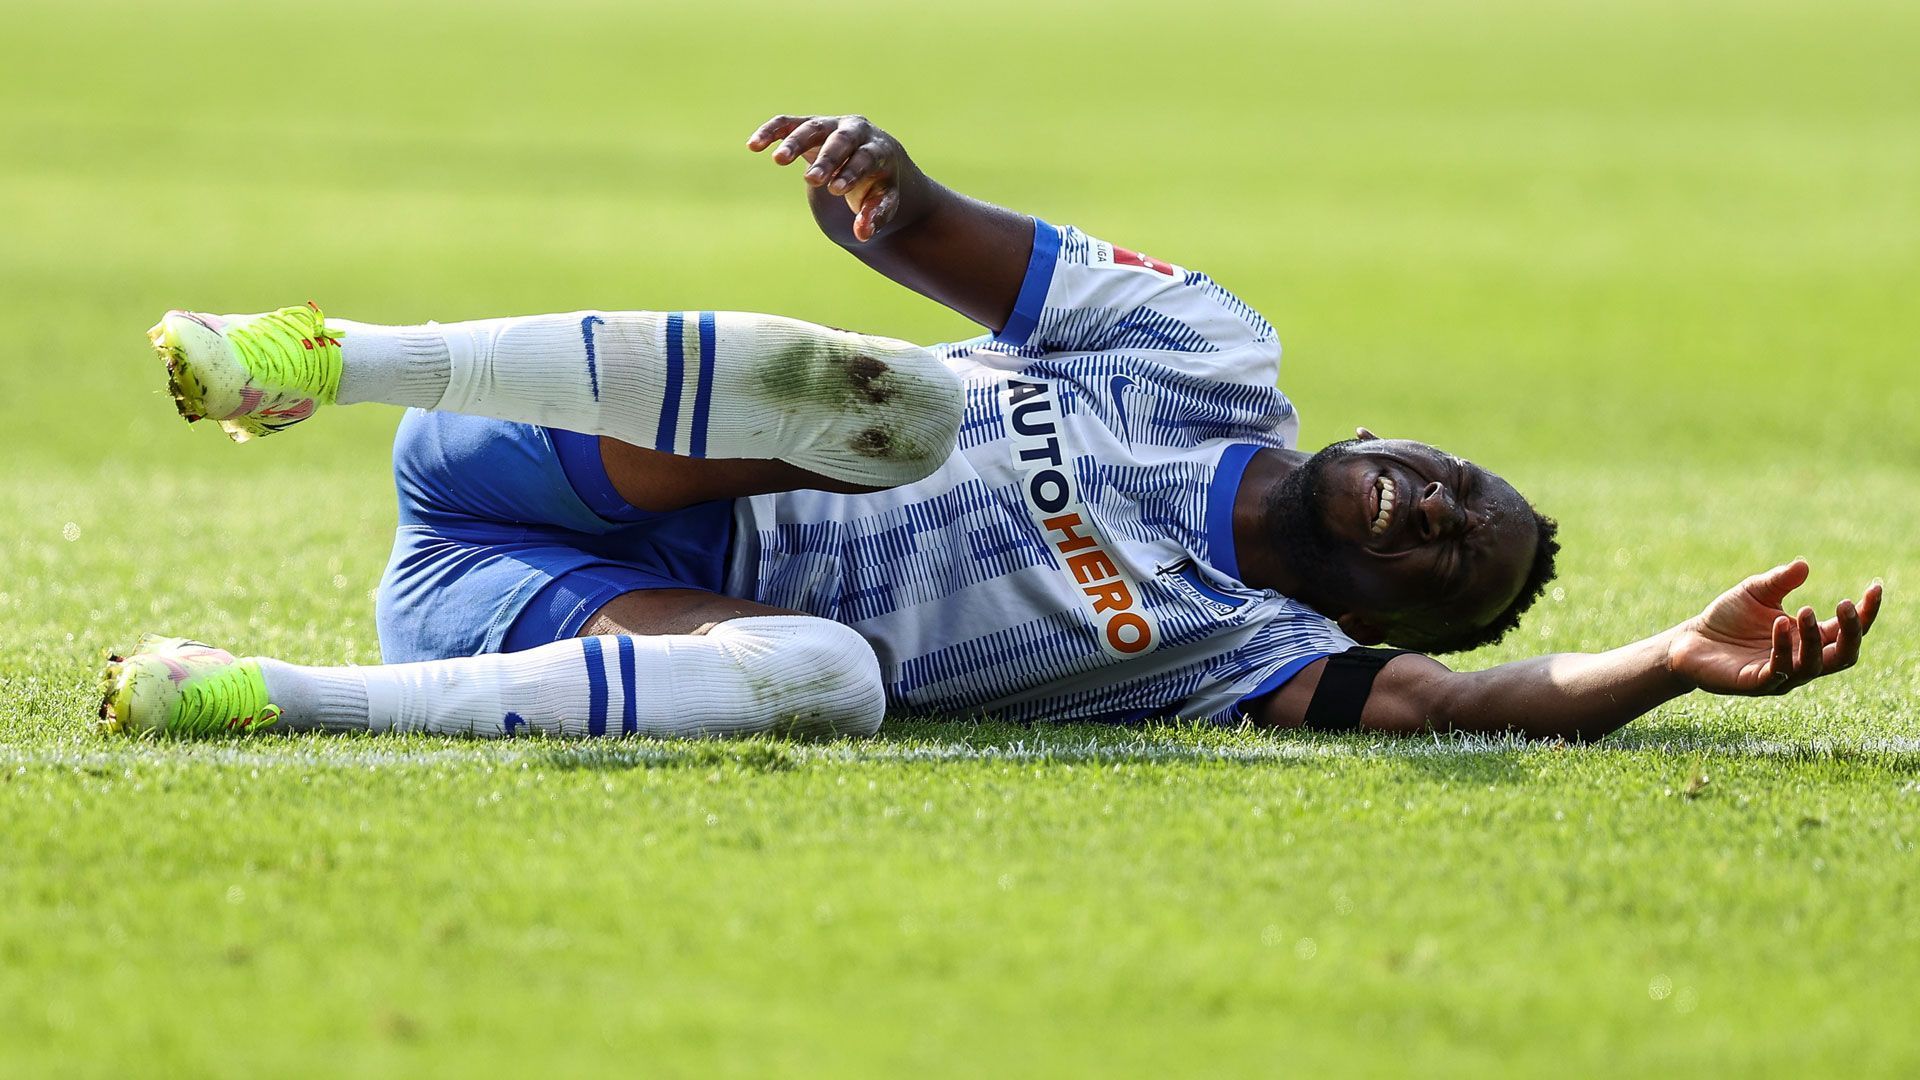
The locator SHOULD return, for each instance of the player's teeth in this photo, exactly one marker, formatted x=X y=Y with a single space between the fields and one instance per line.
x=1385 y=514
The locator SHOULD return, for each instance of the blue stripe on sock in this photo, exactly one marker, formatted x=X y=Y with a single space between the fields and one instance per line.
x=593 y=371
x=676 y=365
x=703 y=392
x=629 y=715
x=596 y=686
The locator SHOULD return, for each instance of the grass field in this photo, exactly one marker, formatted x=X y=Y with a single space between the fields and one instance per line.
x=1655 y=262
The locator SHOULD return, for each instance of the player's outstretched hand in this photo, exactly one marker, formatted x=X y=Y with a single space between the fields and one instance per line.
x=1745 y=642
x=846 y=155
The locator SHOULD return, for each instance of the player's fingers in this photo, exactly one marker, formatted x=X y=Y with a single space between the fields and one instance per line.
x=1864 y=613
x=1780 y=663
x=1870 y=607
x=876 y=212
x=805 y=137
x=777 y=128
x=1773 y=586
x=864 y=226
x=861 y=163
x=1845 y=649
x=840 y=145
x=862 y=192
x=1806 y=646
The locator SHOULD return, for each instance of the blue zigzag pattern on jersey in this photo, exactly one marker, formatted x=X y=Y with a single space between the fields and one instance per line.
x=1177 y=503
x=1071 y=329
x=1240 y=309
x=983 y=420
x=1286 y=636
x=1145 y=328
x=870 y=566
x=1095 y=326
x=1004 y=662
x=1134 y=701
x=1075 y=246
x=987 y=345
x=1295 y=632
x=1182 y=411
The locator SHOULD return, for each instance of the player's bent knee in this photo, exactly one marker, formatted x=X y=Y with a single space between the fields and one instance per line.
x=898 y=422
x=925 y=425
x=805 y=675
x=867 y=410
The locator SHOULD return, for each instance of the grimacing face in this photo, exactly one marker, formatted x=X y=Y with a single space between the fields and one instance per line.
x=1422 y=545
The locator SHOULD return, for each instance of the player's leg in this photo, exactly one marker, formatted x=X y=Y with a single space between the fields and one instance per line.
x=652 y=480
x=512 y=604
x=756 y=669
x=849 y=408
x=664 y=612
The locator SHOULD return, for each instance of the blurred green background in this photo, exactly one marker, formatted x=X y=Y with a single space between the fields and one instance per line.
x=1656 y=262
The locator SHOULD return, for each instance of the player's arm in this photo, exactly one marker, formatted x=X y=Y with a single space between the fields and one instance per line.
x=1744 y=643
x=870 y=198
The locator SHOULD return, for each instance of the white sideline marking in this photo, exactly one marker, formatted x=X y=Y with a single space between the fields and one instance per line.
x=587 y=754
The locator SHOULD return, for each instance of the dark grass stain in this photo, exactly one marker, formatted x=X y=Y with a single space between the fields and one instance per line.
x=874 y=442
x=866 y=375
x=823 y=373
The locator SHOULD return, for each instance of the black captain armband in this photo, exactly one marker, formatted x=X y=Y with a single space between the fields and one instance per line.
x=1344 y=685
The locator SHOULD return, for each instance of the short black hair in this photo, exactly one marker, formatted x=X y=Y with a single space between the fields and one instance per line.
x=1538 y=575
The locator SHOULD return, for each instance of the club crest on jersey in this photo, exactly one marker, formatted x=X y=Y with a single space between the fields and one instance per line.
x=1184 y=578
x=1122 y=624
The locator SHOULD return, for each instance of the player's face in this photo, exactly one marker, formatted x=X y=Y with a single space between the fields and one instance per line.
x=1424 y=542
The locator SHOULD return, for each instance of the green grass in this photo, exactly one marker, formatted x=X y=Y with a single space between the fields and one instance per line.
x=1654 y=262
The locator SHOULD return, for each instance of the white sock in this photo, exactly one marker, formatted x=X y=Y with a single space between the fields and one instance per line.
x=317 y=699
x=395 y=365
x=791 y=673
x=866 y=410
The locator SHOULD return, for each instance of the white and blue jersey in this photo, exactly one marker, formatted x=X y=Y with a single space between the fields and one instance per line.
x=1073 y=559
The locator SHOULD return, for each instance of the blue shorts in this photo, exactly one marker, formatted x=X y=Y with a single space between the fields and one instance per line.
x=512 y=536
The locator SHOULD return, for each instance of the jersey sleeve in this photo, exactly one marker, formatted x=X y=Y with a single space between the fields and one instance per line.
x=1083 y=295
x=1295 y=637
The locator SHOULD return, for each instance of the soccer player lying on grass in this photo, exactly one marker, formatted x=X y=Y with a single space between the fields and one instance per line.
x=716 y=523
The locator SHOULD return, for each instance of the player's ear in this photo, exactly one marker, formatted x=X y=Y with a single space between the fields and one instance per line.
x=1364 y=435
x=1359 y=629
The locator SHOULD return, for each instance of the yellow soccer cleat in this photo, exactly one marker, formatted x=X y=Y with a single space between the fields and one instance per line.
x=173 y=686
x=255 y=374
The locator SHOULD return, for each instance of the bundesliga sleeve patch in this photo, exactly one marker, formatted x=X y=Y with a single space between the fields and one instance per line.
x=1112 y=601
x=1100 y=253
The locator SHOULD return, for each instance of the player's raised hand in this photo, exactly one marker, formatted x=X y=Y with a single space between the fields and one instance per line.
x=847 y=156
x=1745 y=642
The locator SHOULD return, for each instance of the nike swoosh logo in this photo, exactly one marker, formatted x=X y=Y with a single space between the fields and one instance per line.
x=1116 y=388
x=593 y=371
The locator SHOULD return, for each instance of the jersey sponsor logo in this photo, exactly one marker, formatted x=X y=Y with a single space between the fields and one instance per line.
x=1122 y=624
x=1100 y=253
x=1184 y=577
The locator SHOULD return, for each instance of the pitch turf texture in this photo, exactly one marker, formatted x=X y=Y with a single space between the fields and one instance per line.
x=1656 y=263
